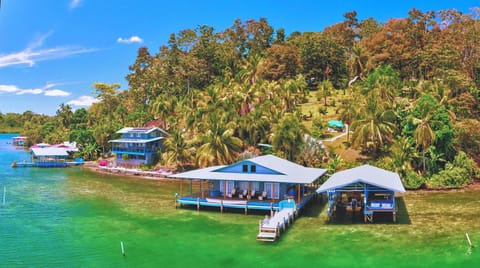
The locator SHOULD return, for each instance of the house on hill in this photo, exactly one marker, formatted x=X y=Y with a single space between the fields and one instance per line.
x=137 y=145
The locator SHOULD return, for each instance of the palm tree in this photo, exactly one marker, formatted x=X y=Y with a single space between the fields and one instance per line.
x=374 y=125
x=424 y=135
x=325 y=89
x=176 y=150
x=218 y=145
x=90 y=151
x=289 y=136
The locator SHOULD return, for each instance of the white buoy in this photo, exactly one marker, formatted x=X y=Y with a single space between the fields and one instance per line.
x=123 y=249
x=468 y=239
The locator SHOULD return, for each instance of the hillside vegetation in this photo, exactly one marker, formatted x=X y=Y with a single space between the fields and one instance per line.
x=408 y=88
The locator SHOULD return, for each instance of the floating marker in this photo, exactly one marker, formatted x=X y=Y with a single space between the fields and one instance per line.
x=468 y=239
x=123 y=249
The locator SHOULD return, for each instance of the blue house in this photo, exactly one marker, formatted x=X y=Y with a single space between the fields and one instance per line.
x=259 y=183
x=137 y=145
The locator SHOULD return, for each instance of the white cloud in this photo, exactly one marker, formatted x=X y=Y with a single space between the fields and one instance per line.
x=29 y=57
x=83 y=101
x=130 y=40
x=56 y=93
x=9 y=88
x=34 y=91
x=75 y=3
x=32 y=53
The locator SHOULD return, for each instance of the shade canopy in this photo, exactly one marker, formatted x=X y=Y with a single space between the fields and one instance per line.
x=364 y=174
x=335 y=123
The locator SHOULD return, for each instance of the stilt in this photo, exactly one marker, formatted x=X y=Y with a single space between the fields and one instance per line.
x=198 y=203
x=221 y=206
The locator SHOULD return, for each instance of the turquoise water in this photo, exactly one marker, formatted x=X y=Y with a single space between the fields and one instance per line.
x=76 y=218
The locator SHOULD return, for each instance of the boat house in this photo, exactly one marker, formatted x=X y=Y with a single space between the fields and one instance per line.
x=137 y=145
x=49 y=157
x=259 y=183
x=19 y=141
x=362 y=190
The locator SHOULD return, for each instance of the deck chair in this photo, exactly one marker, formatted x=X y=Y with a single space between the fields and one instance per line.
x=232 y=193
x=243 y=194
x=262 y=196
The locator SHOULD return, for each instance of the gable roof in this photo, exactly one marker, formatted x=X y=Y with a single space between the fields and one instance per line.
x=144 y=130
x=49 y=151
x=289 y=172
x=364 y=174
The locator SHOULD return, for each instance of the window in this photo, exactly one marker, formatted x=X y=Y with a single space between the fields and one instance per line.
x=253 y=168
x=245 y=168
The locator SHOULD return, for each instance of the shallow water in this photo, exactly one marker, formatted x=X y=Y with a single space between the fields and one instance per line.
x=76 y=218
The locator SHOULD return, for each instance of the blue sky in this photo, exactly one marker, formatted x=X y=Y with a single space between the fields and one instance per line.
x=52 y=51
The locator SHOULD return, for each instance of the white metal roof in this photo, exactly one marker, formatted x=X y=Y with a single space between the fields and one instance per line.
x=364 y=174
x=290 y=172
x=49 y=151
x=136 y=140
x=145 y=130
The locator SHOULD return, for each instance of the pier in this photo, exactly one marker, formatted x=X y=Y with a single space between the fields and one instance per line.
x=269 y=230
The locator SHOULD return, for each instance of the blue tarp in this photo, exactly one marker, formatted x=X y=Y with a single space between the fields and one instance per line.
x=335 y=123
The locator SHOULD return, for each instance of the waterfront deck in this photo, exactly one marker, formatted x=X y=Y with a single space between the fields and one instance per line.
x=237 y=203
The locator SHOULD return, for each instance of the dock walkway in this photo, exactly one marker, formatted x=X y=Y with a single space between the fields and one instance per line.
x=271 y=230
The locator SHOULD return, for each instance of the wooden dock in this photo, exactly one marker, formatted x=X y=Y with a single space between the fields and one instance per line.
x=271 y=230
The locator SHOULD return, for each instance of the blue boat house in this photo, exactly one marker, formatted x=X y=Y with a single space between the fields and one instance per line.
x=137 y=146
x=259 y=183
x=365 y=190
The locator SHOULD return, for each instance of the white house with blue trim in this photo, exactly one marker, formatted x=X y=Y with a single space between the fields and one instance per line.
x=257 y=183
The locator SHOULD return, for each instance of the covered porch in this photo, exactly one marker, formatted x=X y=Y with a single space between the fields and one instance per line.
x=246 y=195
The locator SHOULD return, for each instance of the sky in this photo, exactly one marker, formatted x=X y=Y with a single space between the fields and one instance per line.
x=52 y=51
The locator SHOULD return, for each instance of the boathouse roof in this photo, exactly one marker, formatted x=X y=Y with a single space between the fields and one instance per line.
x=49 y=151
x=269 y=168
x=364 y=174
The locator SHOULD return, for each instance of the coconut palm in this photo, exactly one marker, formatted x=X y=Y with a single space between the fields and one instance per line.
x=176 y=150
x=374 y=125
x=218 y=145
x=289 y=136
x=424 y=135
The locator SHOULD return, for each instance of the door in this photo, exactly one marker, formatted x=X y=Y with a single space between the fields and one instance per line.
x=272 y=189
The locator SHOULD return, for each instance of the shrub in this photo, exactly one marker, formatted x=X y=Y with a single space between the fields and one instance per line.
x=450 y=177
x=413 y=180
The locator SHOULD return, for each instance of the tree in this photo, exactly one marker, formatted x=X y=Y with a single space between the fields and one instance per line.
x=288 y=136
x=325 y=90
x=281 y=62
x=176 y=150
x=373 y=126
x=217 y=145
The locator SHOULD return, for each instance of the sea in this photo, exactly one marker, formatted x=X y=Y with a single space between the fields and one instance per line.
x=74 y=217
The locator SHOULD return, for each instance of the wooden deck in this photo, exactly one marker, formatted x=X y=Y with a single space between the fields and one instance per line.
x=237 y=203
x=271 y=230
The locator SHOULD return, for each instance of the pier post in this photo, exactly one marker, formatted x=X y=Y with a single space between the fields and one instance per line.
x=198 y=203
x=122 y=248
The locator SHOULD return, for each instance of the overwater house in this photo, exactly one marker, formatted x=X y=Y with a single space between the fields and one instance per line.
x=365 y=190
x=19 y=141
x=49 y=157
x=259 y=183
x=137 y=146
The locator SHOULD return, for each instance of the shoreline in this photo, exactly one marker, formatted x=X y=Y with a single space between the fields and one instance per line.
x=126 y=172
